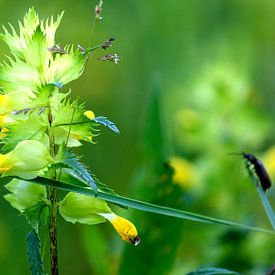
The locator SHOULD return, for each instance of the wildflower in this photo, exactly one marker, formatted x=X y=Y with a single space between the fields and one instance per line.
x=123 y=227
x=32 y=66
x=89 y=114
x=89 y=210
x=29 y=159
x=110 y=57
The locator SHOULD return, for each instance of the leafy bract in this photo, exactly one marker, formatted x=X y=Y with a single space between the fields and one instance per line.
x=24 y=194
x=83 y=209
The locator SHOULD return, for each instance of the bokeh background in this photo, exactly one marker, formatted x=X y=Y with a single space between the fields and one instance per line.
x=195 y=82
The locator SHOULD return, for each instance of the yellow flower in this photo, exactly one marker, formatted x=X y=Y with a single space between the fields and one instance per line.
x=90 y=210
x=89 y=114
x=184 y=172
x=269 y=161
x=3 y=132
x=123 y=227
x=28 y=160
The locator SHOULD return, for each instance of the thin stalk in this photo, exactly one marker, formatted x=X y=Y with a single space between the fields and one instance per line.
x=265 y=202
x=53 y=205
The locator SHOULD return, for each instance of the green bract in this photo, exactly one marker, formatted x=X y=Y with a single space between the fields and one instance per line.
x=83 y=209
x=34 y=65
x=24 y=194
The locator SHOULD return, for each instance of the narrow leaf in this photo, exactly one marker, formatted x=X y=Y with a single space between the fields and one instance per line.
x=147 y=207
x=265 y=202
x=212 y=271
x=34 y=255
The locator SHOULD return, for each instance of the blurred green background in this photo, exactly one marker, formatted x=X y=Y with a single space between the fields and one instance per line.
x=195 y=82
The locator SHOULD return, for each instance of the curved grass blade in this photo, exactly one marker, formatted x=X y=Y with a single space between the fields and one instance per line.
x=265 y=202
x=147 y=207
x=212 y=271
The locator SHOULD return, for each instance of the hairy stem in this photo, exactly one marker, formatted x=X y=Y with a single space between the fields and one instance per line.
x=53 y=207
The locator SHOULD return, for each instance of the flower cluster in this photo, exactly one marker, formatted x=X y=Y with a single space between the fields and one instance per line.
x=39 y=123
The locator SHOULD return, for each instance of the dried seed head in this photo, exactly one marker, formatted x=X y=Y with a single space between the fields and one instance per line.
x=98 y=10
x=81 y=49
x=110 y=57
x=57 y=49
x=108 y=43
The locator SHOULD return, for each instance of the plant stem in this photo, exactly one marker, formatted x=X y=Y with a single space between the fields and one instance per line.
x=53 y=207
x=53 y=232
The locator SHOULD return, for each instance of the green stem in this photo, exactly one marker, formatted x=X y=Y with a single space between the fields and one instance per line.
x=53 y=206
x=53 y=232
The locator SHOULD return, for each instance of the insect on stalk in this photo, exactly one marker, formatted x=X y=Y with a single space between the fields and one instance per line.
x=258 y=168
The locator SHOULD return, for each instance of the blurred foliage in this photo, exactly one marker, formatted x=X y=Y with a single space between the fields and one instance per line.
x=213 y=62
x=160 y=235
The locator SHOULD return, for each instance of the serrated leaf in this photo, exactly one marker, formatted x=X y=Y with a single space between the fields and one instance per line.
x=18 y=75
x=36 y=53
x=66 y=67
x=37 y=214
x=32 y=128
x=212 y=271
x=34 y=255
x=72 y=161
x=107 y=123
x=70 y=176
x=18 y=43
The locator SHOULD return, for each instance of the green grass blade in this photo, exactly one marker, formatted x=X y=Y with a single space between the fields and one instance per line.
x=147 y=207
x=213 y=271
x=265 y=202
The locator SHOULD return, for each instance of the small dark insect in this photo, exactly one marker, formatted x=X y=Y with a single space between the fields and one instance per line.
x=259 y=169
